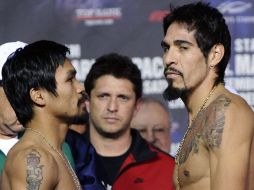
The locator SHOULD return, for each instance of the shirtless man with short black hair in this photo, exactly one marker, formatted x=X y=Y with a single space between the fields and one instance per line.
x=215 y=153
x=41 y=86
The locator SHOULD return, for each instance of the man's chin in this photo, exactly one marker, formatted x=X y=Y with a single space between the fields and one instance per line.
x=81 y=118
x=173 y=93
x=113 y=134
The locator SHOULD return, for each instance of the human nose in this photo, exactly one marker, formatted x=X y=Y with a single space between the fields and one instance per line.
x=80 y=87
x=150 y=137
x=112 y=105
x=169 y=57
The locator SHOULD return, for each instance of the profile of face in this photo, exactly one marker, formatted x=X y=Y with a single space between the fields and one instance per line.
x=153 y=123
x=9 y=124
x=111 y=106
x=70 y=101
x=185 y=65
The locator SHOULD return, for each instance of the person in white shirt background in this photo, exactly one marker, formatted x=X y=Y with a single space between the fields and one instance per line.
x=9 y=124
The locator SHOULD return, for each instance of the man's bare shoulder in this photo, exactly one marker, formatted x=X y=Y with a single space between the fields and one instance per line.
x=240 y=106
x=231 y=107
x=239 y=114
x=22 y=155
x=228 y=115
x=29 y=165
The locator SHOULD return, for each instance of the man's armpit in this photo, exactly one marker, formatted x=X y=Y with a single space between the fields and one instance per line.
x=34 y=168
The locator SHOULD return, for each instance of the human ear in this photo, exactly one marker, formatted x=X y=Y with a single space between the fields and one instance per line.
x=137 y=106
x=87 y=102
x=216 y=54
x=37 y=96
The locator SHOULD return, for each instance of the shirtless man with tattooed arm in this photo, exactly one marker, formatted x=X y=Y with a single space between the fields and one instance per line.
x=215 y=153
x=41 y=86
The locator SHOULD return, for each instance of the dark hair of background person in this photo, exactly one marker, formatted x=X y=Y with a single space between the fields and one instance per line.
x=210 y=29
x=118 y=66
x=33 y=66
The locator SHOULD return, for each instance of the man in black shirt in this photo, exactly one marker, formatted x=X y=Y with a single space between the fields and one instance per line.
x=113 y=156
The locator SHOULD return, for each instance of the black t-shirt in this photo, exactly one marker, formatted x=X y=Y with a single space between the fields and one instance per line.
x=108 y=167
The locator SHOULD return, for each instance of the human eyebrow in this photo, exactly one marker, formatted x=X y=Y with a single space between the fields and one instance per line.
x=71 y=74
x=124 y=96
x=164 y=45
x=182 y=42
x=103 y=94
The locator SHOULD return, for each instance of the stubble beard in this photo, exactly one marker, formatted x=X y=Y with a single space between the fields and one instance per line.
x=173 y=93
x=77 y=119
x=82 y=118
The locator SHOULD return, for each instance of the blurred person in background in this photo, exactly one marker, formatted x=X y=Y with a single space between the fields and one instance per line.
x=9 y=124
x=153 y=121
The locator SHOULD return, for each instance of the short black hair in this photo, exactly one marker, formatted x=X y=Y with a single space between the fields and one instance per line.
x=118 y=66
x=210 y=29
x=33 y=66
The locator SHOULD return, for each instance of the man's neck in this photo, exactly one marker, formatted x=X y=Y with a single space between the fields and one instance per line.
x=200 y=97
x=54 y=132
x=105 y=146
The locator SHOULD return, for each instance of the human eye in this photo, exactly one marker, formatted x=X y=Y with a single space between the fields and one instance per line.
x=183 y=48
x=164 y=46
x=142 y=131
x=70 y=79
x=123 y=97
x=184 y=45
x=102 y=96
x=165 y=49
x=159 y=130
x=71 y=76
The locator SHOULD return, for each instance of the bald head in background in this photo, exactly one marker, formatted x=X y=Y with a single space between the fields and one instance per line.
x=153 y=122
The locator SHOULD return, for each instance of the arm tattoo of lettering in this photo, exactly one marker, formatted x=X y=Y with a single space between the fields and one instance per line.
x=34 y=170
x=208 y=126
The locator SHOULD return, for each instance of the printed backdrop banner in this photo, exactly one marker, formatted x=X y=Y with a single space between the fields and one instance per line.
x=91 y=28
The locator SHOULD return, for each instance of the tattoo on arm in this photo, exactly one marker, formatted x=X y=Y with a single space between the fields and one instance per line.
x=34 y=170
x=214 y=124
x=208 y=126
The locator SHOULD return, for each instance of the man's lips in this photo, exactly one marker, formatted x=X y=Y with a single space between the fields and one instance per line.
x=110 y=119
x=172 y=72
x=81 y=102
